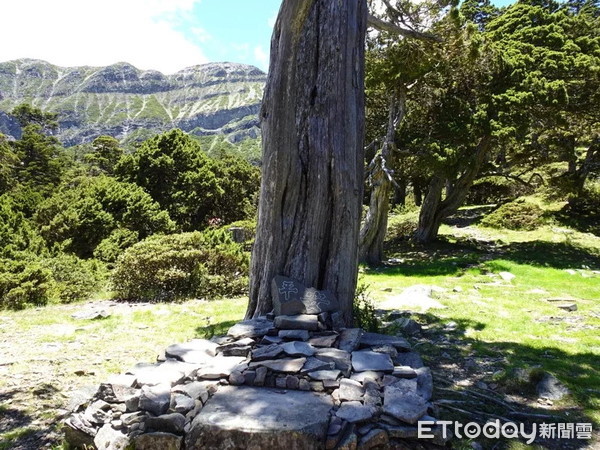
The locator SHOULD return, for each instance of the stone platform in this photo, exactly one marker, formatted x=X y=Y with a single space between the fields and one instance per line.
x=288 y=381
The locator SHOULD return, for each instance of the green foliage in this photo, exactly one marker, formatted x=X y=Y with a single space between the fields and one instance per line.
x=363 y=309
x=74 y=279
x=517 y=215
x=106 y=153
x=402 y=226
x=24 y=281
x=85 y=212
x=116 y=243
x=8 y=163
x=582 y=211
x=193 y=188
x=16 y=232
x=489 y=190
x=171 y=267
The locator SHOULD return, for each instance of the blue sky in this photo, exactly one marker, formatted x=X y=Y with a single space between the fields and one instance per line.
x=165 y=35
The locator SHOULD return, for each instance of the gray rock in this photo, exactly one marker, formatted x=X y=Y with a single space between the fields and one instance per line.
x=337 y=321
x=414 y=298
x=122 y=380
x=349 y=441
x=245 y=417
x=350 y=390
x=303 y=385
x=404 y=372
x=280 y=382
x=366 y=375
x=158 y=441
x=91 y=315
x=287 y=295
x=173 y=372
x=323 y=341
x=195 y=390
x=236 y=378
x=130 y=419
x=299 y=322
x=108 y=438
x=376 y=438
x=405 y=385
x=403 y=405
x=252 y=328
x=367 y=360
x=286 y=365
x=296 y=348
x=313 y=364
x=98 y=412
x=407 y=326
x=221 y=367
x=181 y=403
x=340 y=358
x=155 y=399
x=269 y=352
x=321 y=375
x=355 y=412
x=424 y=383
x=169 y=423
x=268 y=340
x=292 y=382
x=77 y=434
x=507 y=276
x=249 y=377
x=349 y=339
x=376 y=339
x=387 y=349
x=551 y=388
x=261 y=373
x=195 y=351
x=372 y=395
x=294 y=335
x=81 y=397
x=410 y=359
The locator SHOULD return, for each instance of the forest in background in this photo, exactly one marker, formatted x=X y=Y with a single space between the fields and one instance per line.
x=497 y=106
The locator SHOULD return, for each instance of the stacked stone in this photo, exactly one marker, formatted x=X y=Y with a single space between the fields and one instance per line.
x=369 y=389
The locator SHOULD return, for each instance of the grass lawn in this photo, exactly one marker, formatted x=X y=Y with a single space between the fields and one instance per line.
x=489 y=328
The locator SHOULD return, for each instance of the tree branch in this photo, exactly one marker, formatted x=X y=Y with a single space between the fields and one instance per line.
x=382 y=25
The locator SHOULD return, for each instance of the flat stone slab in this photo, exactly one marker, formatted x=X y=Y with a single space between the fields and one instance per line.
x=403 y=405
x=247 y=417
x=299 y=322
x=285 y=365
x=195 y=351
x=251 y=328
x=366 y=360
x=377 y=340
x=355 y=412
x=295 y=348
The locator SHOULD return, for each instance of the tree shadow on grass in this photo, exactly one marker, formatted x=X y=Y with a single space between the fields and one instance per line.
x=16 y=426
x=459 y=362
x=214 y=329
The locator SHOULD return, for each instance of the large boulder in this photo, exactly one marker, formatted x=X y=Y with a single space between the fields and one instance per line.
x=255 y=418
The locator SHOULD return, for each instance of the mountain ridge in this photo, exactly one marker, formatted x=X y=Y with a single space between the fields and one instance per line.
x=132 y=104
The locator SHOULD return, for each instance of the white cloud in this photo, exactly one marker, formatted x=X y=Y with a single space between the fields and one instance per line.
x=262 y=57
x=76 y=32
x=271 y=21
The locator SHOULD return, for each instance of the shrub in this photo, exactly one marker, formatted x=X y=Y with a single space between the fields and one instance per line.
x=24 y=282
x=402 y=226
x=517 y=215
x=363 y=309
x=74 y=279
x=582 y=212
x=171 y=267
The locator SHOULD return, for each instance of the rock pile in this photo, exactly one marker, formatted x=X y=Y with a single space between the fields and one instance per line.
x=288 y=380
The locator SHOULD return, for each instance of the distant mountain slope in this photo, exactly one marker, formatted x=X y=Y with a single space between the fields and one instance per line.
x=131 y=104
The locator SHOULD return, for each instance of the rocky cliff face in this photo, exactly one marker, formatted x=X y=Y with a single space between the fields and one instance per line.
x=131 y=104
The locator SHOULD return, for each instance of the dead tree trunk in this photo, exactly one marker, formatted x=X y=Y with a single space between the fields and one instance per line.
x=372 y=234
x=434 y=210
x=313 y=131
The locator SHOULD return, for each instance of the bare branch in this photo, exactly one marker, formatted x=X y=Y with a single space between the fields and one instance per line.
x=382 y=25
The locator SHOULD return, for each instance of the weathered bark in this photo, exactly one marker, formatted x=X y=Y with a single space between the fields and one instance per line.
x=372 y=234
x=313 y=131
x=434 y=210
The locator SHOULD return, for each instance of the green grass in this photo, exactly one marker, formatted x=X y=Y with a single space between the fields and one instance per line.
x=506 y=319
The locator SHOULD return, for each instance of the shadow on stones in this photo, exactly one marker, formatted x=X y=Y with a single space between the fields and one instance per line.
x=459 y=362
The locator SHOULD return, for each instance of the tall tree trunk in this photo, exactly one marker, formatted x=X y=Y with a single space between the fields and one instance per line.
x=372 y=234
x=434 y=210
x=399 y=193
x=313 y=158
